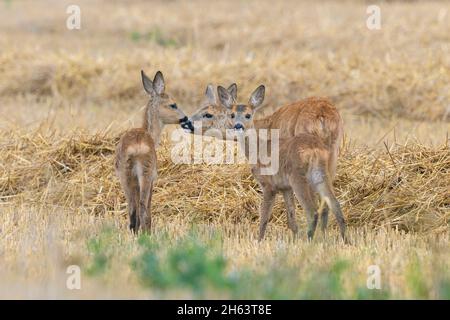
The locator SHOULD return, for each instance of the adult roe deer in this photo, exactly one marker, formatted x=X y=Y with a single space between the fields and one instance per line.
x=135 y=161
x=314 y=115
x=304 y=168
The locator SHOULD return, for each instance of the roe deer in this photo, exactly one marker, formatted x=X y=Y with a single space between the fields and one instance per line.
x=304 y=168
x=315 y=116
x=135 y=161
x=211 y=115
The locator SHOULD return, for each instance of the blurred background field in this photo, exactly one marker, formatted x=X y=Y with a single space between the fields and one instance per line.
x=65 y=95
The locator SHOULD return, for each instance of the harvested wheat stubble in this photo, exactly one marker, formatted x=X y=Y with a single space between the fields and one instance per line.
x=86 y=77
x=405 y=186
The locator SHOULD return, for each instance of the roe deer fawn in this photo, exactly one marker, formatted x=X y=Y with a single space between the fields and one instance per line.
x=315 y=116
x=304 y=168
x=135 y=161
x=211 y=115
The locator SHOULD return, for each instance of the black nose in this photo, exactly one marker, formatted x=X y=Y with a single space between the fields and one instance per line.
x=187 y=124
x=238 y=126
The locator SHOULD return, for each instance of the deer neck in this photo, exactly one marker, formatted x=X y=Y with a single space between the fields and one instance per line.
x=152 y=121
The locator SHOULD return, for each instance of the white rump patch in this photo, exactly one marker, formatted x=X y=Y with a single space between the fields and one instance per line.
x=139 y=148
x=317 y=177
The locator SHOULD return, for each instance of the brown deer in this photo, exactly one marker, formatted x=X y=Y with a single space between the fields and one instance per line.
x=135 y=161
x=315 y=116
x=304 y=168
x=211 y=115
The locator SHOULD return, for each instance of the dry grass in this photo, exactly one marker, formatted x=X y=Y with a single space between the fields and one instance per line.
x=38 y=243
x=404 y=186
x=66 y=95
x=374 y=73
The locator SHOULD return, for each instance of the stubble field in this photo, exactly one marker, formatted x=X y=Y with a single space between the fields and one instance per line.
x=66 y=95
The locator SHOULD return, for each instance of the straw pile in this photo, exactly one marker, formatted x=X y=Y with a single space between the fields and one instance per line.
x=405 y=187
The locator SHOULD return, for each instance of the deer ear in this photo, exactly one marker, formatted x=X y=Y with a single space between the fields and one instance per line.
x=209 y=94
x=257 y=97
x=148 y=84
x=224 y=97
x=158 y=83
x=232 y=89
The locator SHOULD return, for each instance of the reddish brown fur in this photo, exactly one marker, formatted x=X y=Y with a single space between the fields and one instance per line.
x=316 y=116
x=136 y=146
x=218 y=115
x=303 y=171
x=136 y=156
x=304 y=157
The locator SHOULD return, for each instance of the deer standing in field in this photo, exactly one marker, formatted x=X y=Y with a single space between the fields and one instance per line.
x=304 y=167
x=315 y=116
x=135 y=161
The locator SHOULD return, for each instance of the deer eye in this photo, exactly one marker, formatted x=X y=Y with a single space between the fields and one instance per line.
x=207 y=115
x=173 y=106
x=232 y=116
x=248 y=116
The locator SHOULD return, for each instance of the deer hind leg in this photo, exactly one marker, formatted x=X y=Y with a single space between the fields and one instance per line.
x=149 y=207
x=131 y=190
x=145 y=187
x=305 y=196
x=132 y=208
x=332 y=165
x=327 y=195
x=323 y=212
x=145 y=221
x=289 y=202
x=265 y=211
